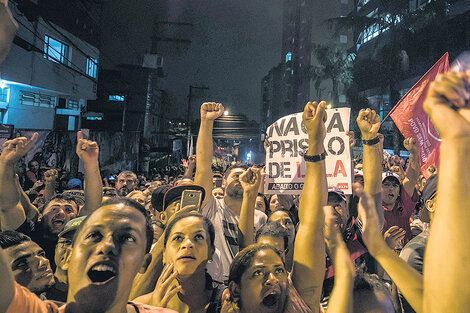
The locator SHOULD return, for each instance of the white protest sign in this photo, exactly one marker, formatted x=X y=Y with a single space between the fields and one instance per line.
x=285 y=165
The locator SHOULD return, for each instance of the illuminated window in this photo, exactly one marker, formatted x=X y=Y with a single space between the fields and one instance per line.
x=375 y=29
x=288 y=56
x=116 y=98
x=55 y=50
x=91 y=66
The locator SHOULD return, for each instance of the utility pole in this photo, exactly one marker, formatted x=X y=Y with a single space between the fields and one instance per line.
x=188 y=113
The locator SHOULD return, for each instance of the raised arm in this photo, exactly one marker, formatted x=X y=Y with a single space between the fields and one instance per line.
x=341 y=296
x=88 y=152
x=407 y=279
x=209 y=112
x=309 y=247
x=250 y=180
x=50 y=182
x=12 y=214
x=31 y=211
x=413 y=170
x=446 y=272
x=369 y=124
x=190 y=166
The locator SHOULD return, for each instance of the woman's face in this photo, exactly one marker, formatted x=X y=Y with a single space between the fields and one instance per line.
x=274 y=203
x=284 y=219
x=263 y=286
x=259 y=204
x=187 y=247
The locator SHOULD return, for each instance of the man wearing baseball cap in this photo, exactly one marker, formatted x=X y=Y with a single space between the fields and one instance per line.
x=58 y=291
x=398 y=201
x=350 y=230
x=165 y=199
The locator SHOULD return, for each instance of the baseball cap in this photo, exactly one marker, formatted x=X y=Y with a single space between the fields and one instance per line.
x=74 y=183
x=337 y=191
x=174 y=193
x=157 y=197
x=390 y=174
x=72 y=226
x=429 y=189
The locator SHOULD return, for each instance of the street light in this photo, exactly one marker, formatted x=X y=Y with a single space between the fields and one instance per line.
x=329 y=105
x=225 y=112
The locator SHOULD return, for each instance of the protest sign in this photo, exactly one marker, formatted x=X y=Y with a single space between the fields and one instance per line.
x=288 y=140
x=412 y=121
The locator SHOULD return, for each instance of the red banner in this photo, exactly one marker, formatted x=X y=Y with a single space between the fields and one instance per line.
x=412 y=121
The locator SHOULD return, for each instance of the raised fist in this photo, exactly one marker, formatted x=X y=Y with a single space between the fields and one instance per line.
x=211 y=110
x=369 y=123
x=250 y=180
x=314 y=118
x=15 y=149
x=447 y=106
x=87 y=150
x=51 y=176
x=411 y=145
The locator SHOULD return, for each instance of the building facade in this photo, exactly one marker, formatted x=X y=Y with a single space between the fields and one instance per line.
x=49 y=75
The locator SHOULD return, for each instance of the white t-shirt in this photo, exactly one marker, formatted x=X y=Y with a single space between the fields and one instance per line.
x=226 y=229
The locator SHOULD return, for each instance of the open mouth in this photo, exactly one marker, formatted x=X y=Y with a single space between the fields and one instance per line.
x=101 y=273
x=270 y=300
x=58 y=223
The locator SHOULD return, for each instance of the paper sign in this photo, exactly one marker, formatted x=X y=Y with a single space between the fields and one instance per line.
x=288 y=140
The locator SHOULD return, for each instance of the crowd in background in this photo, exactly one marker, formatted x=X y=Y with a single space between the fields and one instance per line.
x=129 y=243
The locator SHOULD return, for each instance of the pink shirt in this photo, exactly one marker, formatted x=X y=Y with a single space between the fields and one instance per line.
x=401 y=213
x=25 y=301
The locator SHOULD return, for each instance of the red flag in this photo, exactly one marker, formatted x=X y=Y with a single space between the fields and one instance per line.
x=412 y=121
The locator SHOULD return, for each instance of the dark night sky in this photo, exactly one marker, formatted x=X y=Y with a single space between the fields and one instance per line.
x=233 y=45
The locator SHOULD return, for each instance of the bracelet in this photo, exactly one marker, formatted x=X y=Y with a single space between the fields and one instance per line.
x=315 y=158
x=371 y=142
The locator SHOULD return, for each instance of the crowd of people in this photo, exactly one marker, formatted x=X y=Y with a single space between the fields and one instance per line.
x=128 y=243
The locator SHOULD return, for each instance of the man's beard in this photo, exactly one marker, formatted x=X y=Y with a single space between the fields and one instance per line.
x=123 y=191
x=235 y=191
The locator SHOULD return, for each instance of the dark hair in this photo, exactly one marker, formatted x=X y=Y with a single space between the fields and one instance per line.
x=63 y=197
x=274 y=229
x=291 y=215
x=372 y=283
x=244 y=259
x=10 y=238
x=31 y=162
x=128 y=202
x=266 y=203
x=228 y=170
x=207 y=225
